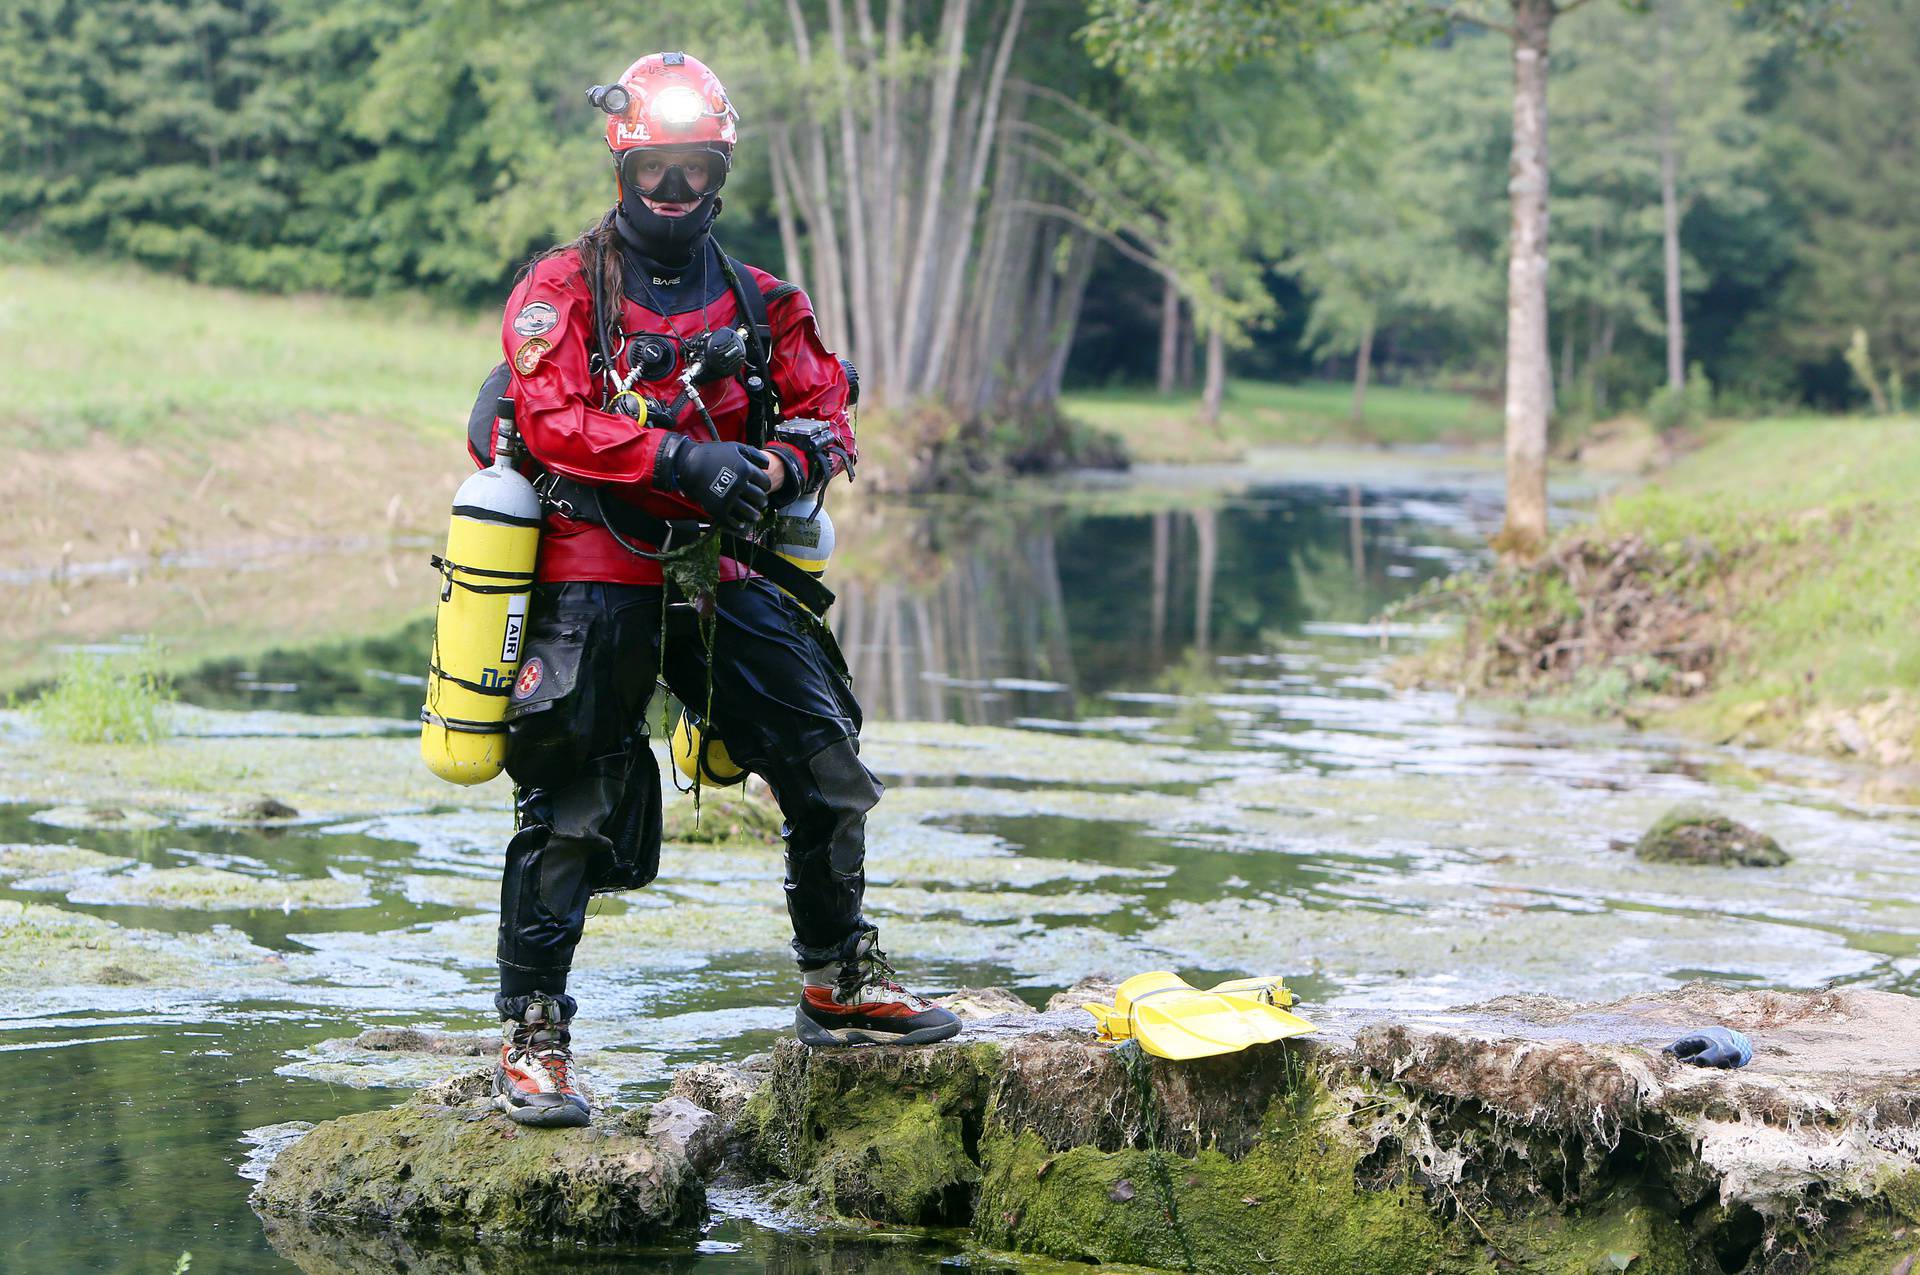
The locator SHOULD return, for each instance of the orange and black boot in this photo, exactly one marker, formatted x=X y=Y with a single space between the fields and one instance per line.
x=859 y=1002
x=533 y=1082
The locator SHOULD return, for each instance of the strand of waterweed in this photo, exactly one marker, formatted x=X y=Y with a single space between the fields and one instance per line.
x=100 y=699
x=695 y=571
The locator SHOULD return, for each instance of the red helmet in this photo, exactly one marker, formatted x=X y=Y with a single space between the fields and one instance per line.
x=673 y=99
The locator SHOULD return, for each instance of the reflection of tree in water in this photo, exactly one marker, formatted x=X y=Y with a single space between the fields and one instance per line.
x=972 y=612
x=947 y=615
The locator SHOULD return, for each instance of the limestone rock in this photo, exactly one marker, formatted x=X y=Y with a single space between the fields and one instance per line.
x=721 y=1088
x=971 y=1003
x=463 y=1169
x=1526 y=1133
x=1094 y=987
x=699 y=1134
x=1692 y=834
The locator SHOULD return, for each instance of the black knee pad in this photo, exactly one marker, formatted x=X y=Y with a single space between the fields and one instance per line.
x=833 y=813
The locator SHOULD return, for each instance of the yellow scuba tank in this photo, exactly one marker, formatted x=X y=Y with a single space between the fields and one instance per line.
x=486 y=577
x=715 y=768
x=804 y=536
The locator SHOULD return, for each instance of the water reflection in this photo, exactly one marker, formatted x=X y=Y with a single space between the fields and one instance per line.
x=1038 y=611
x=998 y=614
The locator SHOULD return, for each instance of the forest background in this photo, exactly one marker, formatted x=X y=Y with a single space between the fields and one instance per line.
x=992 y=202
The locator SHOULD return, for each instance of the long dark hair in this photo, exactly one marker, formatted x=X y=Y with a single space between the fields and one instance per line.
x=598 y=248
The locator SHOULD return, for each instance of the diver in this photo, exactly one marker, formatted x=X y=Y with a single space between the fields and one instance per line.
x=668 y=395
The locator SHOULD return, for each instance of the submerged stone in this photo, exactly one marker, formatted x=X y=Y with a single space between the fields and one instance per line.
x=464 y=1169
x=1693 y=834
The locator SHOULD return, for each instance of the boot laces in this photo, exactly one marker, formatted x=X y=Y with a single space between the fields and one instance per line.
x=548 y=1042
x=871 y=970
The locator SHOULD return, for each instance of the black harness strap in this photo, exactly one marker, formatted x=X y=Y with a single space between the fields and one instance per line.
x=585 y=502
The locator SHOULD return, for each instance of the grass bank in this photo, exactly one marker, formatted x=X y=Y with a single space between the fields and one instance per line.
x=1168 y=430
x=1765 y=588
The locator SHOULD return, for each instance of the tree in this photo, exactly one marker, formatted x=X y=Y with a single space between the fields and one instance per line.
x=1851 y=161
x=1389 y=232
x=1194 y=32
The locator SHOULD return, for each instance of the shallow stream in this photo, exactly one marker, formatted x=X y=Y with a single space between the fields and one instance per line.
x=1143 y=726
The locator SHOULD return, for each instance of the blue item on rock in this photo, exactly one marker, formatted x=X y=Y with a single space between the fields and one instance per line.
x=1712 y=1047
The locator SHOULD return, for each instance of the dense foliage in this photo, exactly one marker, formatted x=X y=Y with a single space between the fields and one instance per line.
x=1301 y=211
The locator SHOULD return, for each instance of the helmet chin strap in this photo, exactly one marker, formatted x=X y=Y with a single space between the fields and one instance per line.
x=668 y=240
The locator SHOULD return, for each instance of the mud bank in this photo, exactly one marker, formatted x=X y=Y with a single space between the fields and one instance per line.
x=1524 y=1133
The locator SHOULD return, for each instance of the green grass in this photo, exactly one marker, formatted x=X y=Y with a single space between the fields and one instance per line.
x=1804 y=533
x=1269 y=414
x=1827 y=511
x=147 y=358
x=101 y=699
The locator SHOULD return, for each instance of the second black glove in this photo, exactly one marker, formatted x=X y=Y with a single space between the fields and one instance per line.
x=727 y=480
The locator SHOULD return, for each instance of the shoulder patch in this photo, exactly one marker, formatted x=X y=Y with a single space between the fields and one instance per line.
x=528 y=356
x=535 y=319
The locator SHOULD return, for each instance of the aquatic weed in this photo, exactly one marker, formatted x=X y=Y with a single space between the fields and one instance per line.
x=98 y=699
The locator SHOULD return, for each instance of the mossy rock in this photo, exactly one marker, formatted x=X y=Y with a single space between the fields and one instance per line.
x=427 y=1168
x=1693 y=834
x=883 y=1133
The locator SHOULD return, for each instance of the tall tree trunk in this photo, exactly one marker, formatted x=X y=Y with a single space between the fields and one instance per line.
x=1214 y=393
x=1066 y=319
x=959 y=249
x=868 y=346
x=1529 y=367
x=1186 y=340
x=1362 y=367
x=1670 y=213
x=796 y=266
x=920 y=266
x=1169 y=337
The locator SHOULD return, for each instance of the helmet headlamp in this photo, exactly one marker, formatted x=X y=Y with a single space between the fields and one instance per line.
x=614 y=99
x=677 y=104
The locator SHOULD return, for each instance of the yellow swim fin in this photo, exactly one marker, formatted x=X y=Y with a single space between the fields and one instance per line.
x=1172 y=1019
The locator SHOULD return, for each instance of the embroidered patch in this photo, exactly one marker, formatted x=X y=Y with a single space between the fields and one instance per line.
x=537 y=319
x=528 y=356
x=530 y=678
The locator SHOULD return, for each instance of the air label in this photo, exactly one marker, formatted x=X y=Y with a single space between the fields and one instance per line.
x=516 y=622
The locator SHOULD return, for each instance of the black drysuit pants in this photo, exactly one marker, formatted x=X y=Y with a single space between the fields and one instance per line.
x=588 y=789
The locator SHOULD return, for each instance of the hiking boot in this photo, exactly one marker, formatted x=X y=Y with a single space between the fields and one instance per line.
x=860 y=1003
x=533 y=1082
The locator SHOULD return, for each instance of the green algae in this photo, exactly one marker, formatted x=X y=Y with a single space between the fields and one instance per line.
x=27 y=865
x=45 y=947
x=891 y=1140
x=215 y=889
x=421 y=1168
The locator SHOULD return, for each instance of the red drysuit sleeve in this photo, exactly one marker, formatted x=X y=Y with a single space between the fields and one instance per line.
x=810 y=380
x=546 y=335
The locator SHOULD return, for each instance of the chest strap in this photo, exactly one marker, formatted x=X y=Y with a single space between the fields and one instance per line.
x=584 y=502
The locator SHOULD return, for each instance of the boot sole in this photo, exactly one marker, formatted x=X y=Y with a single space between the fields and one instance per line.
x=563 y=1115
x=816 y=1036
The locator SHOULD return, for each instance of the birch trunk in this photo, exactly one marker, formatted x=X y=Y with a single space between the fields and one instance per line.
x=1066 y=320
x=1670 y=216
x=961 y=244
x=1362 y=368
x=1214 y=393
x=953 y=26
x=796 y=266
x=1169 y=371
x=867 y=346
x=1529 y=369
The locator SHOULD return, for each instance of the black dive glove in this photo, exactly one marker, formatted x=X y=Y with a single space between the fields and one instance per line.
x=727 y=480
